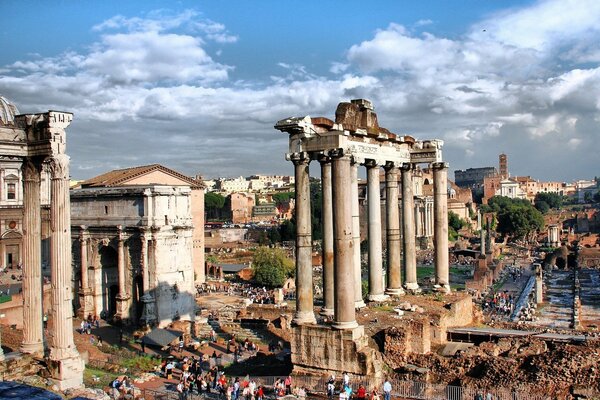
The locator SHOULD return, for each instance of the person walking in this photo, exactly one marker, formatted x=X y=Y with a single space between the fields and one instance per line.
x=387 y=389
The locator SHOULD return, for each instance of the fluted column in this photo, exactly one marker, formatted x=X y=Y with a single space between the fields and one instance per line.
x=304 y=282
x=394 y=283
x=327 y=213
x=144 y=262
x=86 y=306
x=344 y=298
x=66 y=366
x=122 y=298
x=440 y=216
x=32 y=261
x=374 y=227
x=408 y=228
x=358 y=300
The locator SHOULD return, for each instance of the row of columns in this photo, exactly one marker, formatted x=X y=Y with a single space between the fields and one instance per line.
x=61 y=344
x=342 y=279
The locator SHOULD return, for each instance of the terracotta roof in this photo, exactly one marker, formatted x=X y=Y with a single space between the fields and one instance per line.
x=118 y=177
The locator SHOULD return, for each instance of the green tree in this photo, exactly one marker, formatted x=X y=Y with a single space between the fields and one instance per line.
x=271 y=267
x=519 y=221
x=597 y=197
x=283 y=197
x=588 y=197
x=542 y=206
x=553 y=200
x=213 y=205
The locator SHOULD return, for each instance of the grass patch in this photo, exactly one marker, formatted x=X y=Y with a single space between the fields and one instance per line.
x=382 y=307
x=98 y=378
x=140 y=364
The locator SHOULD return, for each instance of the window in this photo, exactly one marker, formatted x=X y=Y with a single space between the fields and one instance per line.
x=11 y=191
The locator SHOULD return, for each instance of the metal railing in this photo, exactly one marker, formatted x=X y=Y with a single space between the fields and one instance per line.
x=401 y=389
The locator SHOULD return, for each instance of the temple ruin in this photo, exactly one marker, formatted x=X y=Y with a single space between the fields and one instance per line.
x=356 y=139
x=37 y=143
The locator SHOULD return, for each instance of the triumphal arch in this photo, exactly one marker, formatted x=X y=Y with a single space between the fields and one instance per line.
x=37 y=142
x=353 y=140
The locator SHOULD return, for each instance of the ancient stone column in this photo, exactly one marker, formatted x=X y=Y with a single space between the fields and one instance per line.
x=394 y=283
x=144 y=261
x=344 y=299
x=327 y=213
x=440 y=218
x=358 y=300
x=304 y=279
x=374 y=227
x=408 y=228
x=65 y=364
x=32 y=260
x=539 y=284
x=85 y=293
x=122 y=297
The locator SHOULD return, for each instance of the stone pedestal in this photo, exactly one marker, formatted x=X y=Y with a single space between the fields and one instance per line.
x=67 y=372
x=149 y=316
x=122 y=313
x=319 y=350
x=86 y=303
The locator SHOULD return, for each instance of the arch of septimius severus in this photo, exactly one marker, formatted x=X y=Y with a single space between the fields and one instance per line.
x=355 y=139
x=38 y=141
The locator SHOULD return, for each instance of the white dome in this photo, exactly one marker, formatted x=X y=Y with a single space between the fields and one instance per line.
x=7 y=112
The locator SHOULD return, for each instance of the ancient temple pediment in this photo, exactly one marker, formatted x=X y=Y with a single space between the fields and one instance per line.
x=154 y=174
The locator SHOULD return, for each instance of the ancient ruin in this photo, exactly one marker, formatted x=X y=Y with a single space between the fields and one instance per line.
x=354 y=139
x=37 y=142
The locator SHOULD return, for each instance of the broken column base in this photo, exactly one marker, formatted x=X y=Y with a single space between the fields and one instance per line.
x=122 y=314
x=66 y=373
x=87 y=304
x=320 y=350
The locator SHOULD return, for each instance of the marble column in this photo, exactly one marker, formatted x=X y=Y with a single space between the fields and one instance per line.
x=481 y=234
x=32 y=261
x=394 y=283
x=344 y=299
x=144 y=261
x=374 y=226
x=327 y=213
x=122 y=297
x=304 y=278
x=65 y=364
x=355 y=208
x=86 y=306
x=440 y=221
x=408 y=228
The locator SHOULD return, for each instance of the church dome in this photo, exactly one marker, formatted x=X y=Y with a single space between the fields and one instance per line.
x=7 y=112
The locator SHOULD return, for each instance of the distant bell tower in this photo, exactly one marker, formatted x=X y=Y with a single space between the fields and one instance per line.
x=503 y=161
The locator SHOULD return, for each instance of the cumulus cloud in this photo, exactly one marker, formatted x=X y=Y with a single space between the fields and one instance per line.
x=150 y=89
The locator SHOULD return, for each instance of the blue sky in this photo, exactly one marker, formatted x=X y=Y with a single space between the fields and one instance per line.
x=198 y=86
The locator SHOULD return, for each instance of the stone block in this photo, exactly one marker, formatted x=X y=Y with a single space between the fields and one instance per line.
x=318 y=349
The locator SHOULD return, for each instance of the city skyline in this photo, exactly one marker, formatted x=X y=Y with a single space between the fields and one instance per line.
x=198 y=86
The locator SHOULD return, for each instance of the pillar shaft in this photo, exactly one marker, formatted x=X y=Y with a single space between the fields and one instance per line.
x=408 y=228
x=327 y=213
x=62 y=346
x=344 y=298
x=144 y=262
x=374 y=227
x=121 y=263
x=440 y=215
x=123 y=297
x=84 y=262
x=304 y=282
x=32 y=261
x=394 y=283
x=355 y=209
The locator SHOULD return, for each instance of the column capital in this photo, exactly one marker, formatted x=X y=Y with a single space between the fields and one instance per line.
x=406 y=166
x=439 y=165
x=31 y=171
x=120 y=236
x=370 y=163
x=58 y=165
x=324 y=158
x=390 y=165
x=83 y=233
x=299 y=158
